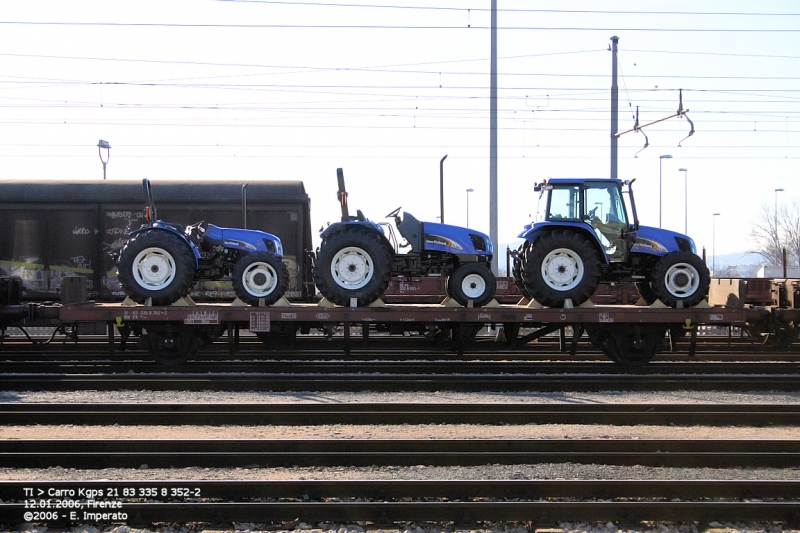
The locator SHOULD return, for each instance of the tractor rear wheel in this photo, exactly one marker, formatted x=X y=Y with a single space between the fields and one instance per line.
x=517 y=268
x=156 y=264
x=562 y=265
x=260 y=275
x=353 y=263
x=472 y=281
x=680 y=277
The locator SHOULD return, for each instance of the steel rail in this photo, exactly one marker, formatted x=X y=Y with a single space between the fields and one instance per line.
x=401 y=382
x=377 y=501
x=14 y=359
x=431 y=368
x=79 y=453
x=758 y=415
x=383 y=344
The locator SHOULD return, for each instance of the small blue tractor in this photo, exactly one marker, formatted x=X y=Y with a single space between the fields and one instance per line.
x=583 y=236
x=356 y=259
x=162 y=261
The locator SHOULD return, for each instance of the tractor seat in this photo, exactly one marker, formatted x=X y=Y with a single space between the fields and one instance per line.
x=196 y=232
x=411 y=230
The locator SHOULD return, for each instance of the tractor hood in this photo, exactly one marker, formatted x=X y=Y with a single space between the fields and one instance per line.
x=658 y=241
x=247 y=240
x=455 y=240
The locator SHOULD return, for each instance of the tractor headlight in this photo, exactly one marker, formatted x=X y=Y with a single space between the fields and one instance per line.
x=274 y=246
x=686 y=244
x=478 y=242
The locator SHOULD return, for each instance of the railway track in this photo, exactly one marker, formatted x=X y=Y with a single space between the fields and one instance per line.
x=391 y=413
x=572 y=380
x=440 y=367
x=88 y=453
x=384 y=502
x=398 y=347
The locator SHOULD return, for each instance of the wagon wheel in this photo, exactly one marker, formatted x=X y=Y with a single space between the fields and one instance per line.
x=170 y=345
x=629 y=344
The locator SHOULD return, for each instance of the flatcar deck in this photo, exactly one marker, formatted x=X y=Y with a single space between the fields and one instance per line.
x=261 y=318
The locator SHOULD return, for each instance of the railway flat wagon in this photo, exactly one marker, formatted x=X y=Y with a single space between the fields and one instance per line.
x=52 y=229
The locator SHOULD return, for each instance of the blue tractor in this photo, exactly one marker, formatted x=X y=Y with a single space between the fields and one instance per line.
x=356 y=259
x=583 y=236
x=162 y=261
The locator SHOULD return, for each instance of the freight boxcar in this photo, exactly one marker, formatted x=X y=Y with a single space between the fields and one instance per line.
x=53 y=229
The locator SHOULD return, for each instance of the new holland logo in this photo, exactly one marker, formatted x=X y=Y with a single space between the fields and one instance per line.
x=442 y=241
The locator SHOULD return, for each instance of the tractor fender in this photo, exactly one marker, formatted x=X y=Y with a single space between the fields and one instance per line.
x=168 y=228
x=367 y=225
x=532 y=234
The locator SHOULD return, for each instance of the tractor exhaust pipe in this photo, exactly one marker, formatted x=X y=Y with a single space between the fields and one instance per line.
x=342 y=195
x=244 y=206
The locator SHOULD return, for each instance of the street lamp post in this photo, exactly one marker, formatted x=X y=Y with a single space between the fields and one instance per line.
x=661 y=159
x=714 y=243
x=468 y=191
x=777 y=235
x=685 y=201
x=100 y=146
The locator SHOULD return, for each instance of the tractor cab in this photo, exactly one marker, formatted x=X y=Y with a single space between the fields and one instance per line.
x=597 y=204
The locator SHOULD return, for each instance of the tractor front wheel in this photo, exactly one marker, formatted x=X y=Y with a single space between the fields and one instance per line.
x=472 y=281
x=258 y=276
x=680 y=277
x=646 y=292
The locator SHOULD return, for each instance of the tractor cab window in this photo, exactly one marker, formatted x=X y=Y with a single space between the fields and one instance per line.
x=605 y=212
x=564 y=203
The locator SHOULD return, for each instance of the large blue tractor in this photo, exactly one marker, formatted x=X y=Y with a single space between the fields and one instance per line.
x=583 y=236
x=162 y=261
x=356 y=259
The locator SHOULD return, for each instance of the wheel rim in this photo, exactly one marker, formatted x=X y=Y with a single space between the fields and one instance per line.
x=682 y=280
x=154 y=268
x=260 y=279
x=562 y=269
x=473 y=286
x=352 y=267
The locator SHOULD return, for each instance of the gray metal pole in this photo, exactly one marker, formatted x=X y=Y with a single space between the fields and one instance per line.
x=614 y=107
x=493 y=229
x=441 y=189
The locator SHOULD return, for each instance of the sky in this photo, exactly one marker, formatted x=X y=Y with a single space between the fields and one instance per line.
x=292 y=90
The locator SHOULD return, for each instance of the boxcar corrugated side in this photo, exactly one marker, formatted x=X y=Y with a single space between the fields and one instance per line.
x=51 y=229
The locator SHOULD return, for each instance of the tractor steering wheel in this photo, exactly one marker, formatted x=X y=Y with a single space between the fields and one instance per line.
x=592 y=214
x=394 y=213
